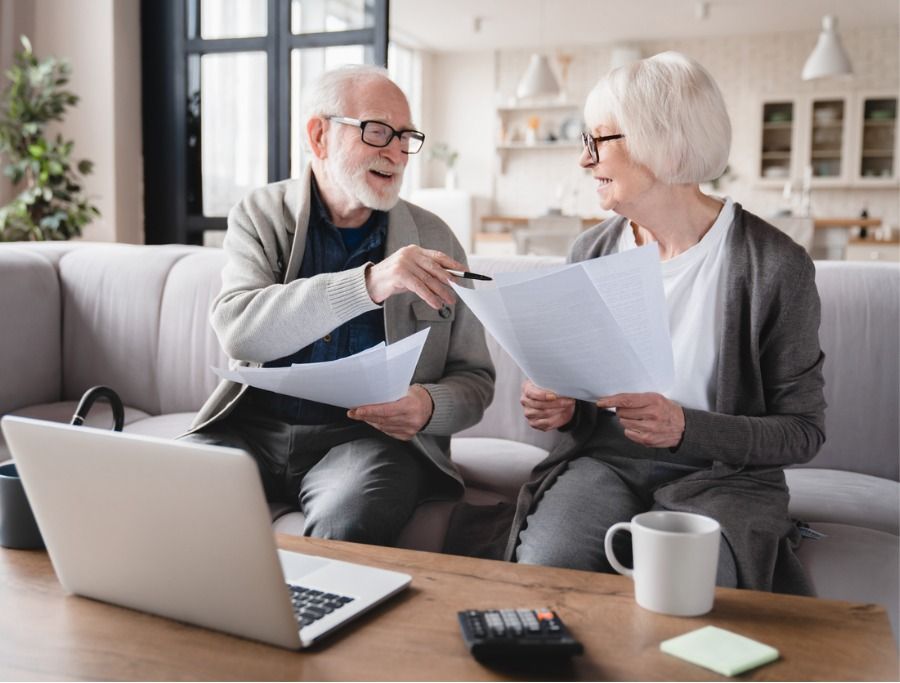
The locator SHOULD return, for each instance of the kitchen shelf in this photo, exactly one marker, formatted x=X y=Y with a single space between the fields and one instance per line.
x=537 y=122
x=835 y=134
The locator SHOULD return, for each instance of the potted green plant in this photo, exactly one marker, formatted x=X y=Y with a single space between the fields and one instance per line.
x=52 y=205
x=443 y=152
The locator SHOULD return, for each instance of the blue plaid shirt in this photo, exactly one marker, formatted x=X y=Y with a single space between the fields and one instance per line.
x=329 y=249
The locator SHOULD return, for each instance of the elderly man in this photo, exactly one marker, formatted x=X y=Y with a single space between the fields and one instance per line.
x=321 y=268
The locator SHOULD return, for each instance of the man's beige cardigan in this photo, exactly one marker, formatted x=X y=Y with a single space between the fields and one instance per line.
x=264 y=312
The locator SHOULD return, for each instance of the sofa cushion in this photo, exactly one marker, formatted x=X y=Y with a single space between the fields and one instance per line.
x=112 y=297
x=136 y=421
x=100 y=416
x=30 y=351
x=820 y=495
x=860 y=313
x=167 y=426
x=855 y=564
x=187 y=344
x=498 y=465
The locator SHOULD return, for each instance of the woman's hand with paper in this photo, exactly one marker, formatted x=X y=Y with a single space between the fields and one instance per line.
x=401 y=419
x=649 y=419
x=544 y=410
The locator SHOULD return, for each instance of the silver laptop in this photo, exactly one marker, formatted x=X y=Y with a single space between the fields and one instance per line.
x=181 y=530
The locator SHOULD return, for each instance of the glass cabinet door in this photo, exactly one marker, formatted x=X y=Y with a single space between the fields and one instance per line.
x=827 y=130
x=879 y=131
x=777 y=140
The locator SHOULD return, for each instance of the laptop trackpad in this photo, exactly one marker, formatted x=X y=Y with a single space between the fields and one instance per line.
x=296 y=565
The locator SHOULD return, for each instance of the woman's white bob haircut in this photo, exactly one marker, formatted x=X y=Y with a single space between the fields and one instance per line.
x=672 y=114
x=326 y=95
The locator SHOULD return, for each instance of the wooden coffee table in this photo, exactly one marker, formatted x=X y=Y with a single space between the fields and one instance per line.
x=46 y=634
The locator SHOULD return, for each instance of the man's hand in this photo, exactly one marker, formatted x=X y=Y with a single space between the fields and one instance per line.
x=401 y=419
x=544 y=410
x=648 y=419
x=417 y=270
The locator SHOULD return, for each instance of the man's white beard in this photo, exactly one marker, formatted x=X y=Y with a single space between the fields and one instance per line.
x=352 y=181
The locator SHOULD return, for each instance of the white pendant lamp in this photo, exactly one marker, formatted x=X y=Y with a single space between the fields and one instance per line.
x=538 y=79
x=828 y=58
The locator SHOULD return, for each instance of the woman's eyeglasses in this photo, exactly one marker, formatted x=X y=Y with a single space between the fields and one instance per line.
x=590 y=143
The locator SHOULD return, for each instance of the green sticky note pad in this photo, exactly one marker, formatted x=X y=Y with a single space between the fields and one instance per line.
x=722 y=651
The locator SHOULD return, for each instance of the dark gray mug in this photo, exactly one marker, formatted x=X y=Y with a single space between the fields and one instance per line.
x=17 y=526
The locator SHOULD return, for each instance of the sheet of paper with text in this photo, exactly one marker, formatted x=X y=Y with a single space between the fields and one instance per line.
x=584 y=330
x=379 y=374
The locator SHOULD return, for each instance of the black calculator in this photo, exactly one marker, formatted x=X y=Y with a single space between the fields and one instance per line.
x=497 y=633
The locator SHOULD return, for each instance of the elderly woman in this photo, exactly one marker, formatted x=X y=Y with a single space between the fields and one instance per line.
x=744 y=316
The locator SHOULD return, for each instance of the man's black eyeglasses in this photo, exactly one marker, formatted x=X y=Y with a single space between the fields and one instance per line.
x=378 y=134
x=590 y=143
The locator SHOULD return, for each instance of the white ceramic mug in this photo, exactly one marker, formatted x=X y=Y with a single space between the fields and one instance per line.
x=676 y=555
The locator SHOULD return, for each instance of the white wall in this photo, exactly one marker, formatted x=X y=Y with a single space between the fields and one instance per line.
x=101 y=40
x=459 y=110
x=746 y=69
x=128 y=189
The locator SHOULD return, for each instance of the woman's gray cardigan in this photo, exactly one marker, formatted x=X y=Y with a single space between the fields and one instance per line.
x=769 y=406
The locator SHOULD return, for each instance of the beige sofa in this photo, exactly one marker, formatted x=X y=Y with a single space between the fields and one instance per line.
x=135 y=318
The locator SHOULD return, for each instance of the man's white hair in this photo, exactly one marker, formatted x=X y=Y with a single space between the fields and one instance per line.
x=672 y=114
x=326 y=95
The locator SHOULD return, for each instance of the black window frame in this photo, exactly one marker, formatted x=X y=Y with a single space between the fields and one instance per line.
x=165 y=53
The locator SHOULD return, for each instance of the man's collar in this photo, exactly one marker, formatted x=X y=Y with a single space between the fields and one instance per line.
x=317 y=206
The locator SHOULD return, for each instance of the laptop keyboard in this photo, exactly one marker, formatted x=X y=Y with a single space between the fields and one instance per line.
x=311 y=605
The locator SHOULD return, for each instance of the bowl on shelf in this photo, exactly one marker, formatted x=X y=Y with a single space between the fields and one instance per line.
x=825 y=115
x=880 y=115
x=775 y=172
x=778 y=117
x=570 y=129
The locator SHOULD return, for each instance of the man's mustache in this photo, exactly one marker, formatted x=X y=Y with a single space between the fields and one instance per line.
x=385 y=167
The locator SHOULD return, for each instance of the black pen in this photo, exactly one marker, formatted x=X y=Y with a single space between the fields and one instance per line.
x=469 y=276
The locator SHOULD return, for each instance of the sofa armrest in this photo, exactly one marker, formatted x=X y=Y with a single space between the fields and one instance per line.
x=838 y=497
x=31 y=341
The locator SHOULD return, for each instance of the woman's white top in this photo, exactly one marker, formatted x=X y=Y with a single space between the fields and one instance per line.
x=694 y=284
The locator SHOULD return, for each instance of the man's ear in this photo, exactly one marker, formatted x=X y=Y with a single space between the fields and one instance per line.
x=316 y=134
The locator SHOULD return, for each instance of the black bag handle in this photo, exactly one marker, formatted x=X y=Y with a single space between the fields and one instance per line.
x=91 y=395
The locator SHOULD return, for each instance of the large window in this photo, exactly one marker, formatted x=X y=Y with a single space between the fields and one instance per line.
x=222 y=87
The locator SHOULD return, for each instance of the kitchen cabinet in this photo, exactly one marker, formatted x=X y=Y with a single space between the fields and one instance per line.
x=879 y=145
x=778 y=141
x=551 y=127
x=871 y=250
x=839 y=139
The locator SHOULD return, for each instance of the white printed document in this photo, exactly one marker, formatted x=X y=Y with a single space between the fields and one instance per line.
x=584 y=330
x=379 y=374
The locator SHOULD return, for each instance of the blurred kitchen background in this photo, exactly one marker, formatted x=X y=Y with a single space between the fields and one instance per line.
x=822 y=151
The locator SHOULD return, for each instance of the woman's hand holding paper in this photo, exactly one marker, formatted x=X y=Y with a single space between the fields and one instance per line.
x=544 y=410
x=648 y=419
